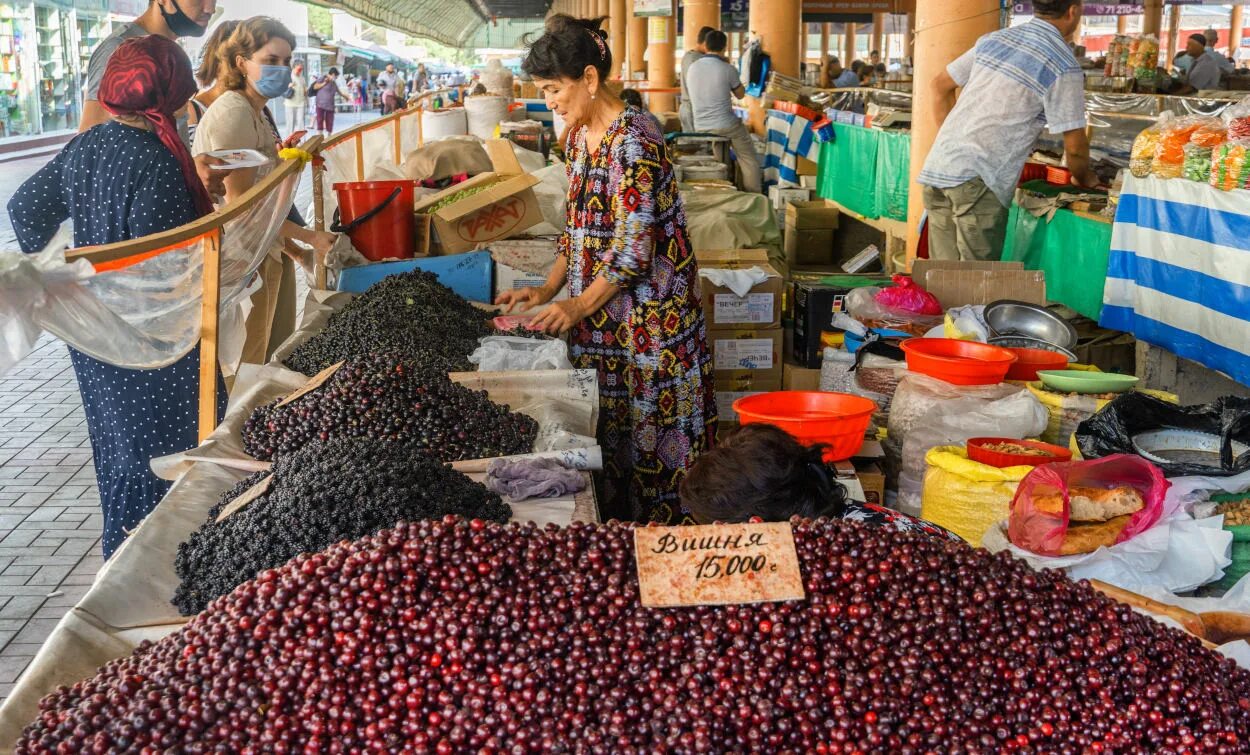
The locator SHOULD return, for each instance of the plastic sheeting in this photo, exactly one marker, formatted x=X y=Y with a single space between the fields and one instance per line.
x=1071 y=249
x=893 y=175
x=141 y=312
x=378 y=156
x=450 y=22
x=848 y=169
x=733 y=220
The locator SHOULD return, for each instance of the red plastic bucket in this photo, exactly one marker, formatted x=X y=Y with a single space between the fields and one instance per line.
x=837 y=419
x=377 y=216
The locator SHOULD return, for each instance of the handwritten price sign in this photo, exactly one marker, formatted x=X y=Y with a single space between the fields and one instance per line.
x=719 y=564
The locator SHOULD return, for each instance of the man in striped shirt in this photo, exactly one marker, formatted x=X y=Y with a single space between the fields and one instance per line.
x=1015 y=82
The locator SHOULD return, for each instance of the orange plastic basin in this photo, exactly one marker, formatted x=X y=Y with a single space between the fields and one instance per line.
x=836 y=419
x=958 y=362
x=1029 y=361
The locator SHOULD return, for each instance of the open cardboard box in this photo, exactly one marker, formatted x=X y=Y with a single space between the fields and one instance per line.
x=958 y=283
x=723 y=309
x=505 y=209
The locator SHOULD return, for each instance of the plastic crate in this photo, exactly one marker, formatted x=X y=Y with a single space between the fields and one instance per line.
x=470 y=275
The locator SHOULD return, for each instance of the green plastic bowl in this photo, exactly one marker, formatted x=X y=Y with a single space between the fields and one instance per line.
x=1079 y=381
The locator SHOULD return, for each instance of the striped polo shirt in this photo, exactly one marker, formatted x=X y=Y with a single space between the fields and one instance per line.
x=1015 y=82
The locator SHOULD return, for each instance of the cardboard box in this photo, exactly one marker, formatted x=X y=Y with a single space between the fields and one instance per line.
x=813 y=214
x=508 y=278
x=722 y=308
x=505 y=209
x=808 y=247
x=726 y=398
x=815 y=304
x=745 y=360
x=872 y=480
x=781 y=197
x=796 y=378
x=805 y=167
x=956 y=284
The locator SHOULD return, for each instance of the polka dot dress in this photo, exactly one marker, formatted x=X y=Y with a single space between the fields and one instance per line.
x=117 y=183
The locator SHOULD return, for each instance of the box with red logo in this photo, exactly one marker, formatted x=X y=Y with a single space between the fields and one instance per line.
x=488 y=207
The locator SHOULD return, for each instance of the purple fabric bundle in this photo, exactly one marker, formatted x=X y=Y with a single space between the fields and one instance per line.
x=533 y=478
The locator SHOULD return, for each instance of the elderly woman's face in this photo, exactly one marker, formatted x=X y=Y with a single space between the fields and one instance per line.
x=570 y=98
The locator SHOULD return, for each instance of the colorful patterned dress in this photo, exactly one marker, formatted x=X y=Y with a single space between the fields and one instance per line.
x=649 y=343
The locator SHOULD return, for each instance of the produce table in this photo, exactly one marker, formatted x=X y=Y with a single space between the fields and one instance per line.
x=789 y=138
x=1071 y=248
x=1179 y=271
x=867 y=170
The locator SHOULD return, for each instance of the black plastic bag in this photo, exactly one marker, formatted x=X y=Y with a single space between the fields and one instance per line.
x=1111 y=431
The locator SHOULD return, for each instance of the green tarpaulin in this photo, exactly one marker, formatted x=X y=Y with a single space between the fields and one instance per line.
x=867 y=171
x=1071 y=249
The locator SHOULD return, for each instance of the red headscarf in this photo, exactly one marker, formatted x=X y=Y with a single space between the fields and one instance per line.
x=151 y=76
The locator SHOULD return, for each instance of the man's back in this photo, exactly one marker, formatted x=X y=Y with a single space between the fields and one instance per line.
x=711 y=84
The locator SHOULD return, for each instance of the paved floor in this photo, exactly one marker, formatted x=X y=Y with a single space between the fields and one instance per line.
x=50 y=519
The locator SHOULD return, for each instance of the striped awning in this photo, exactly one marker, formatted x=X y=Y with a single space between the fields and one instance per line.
x=451 y=22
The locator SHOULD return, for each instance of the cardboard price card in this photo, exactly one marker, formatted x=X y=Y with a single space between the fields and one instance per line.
x=313 y=383
x=720 y=564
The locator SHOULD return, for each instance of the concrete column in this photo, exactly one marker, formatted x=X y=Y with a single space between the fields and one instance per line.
x=636 y=41
x=1174 y=33
x=878 y=35
x=943 y=31
x=661 y=73
x=776 y=23
x=698 y=14
x=1121 y=24
x=909 y=37
x=604 y=9
x=618 y=25
x=824 y=42
x=848 y=44
x=1152 y=19
x=1235 y=26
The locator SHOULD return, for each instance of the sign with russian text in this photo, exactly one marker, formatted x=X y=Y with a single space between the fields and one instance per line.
x=716 y=565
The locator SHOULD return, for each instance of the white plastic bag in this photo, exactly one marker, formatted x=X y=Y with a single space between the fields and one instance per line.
x=951 y=415
x=1177 y=555
x=514 y=353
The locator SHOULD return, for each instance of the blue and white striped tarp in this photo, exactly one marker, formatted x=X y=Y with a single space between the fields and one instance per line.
x=789 y=138
x=1179 y=271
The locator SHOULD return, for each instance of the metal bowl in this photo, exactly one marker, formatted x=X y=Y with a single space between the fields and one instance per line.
x=1024 y=342
x=1171 y=445
x=1017 y=318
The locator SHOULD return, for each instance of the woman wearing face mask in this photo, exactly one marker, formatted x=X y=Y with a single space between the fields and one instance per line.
x=255 y=68
x=129 y=177
x=635 y=311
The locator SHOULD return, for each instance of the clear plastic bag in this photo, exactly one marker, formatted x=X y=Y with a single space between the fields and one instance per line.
x=1041 y=530
x=1197 y=165
x=1169 y=158
x=1237 y=120
x=862 y=304
x=1230 y=165
x=514 y=353
x=1142 y=156
x=908 y=296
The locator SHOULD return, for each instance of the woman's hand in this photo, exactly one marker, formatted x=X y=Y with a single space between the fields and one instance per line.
x=559 y=318
x=524 y=298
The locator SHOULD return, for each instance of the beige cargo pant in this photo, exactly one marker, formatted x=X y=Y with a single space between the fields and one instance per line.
x=966 y=222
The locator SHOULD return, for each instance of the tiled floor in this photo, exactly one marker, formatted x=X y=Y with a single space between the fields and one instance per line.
x=49 y=509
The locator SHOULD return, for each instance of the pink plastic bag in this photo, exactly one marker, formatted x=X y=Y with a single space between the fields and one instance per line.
x=908 y=296
x=1042 y=532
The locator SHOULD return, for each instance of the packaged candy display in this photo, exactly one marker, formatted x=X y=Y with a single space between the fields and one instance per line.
x=1145 y=146
x=1118 y=56
x=1170 y=154
x=1143 y=58
x=1210 y=135
x=1229 y=167
x=1197 y=166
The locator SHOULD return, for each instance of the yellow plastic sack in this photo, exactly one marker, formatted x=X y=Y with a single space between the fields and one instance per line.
x=1065 y=412
x=965 y=496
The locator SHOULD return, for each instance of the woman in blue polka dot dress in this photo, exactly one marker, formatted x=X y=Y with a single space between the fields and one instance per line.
x=123 y=179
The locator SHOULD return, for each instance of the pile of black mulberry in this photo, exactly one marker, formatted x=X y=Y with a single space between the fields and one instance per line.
x=387 y=397
x=341 y=489
x=411 y=315
x=451 y=636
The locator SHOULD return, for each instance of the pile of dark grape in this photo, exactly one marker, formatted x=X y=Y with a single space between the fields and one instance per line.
x=410 y=315
x=392 y=398
x=341 y=489
x=450 y=636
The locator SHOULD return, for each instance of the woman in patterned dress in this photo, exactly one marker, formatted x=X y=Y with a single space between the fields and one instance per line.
x=634 y=307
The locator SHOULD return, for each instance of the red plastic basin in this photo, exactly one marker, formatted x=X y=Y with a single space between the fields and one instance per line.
x=1029 y=361
x=977 y=451
x=958 y=362
x=836 y=419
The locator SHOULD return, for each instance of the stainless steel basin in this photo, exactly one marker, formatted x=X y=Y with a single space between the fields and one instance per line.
x=1017 y=318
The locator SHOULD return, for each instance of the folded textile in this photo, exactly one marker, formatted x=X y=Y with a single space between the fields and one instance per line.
x=533 y=478
x=739 y=281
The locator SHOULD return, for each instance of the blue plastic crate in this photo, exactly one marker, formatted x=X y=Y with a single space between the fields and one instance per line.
x=471 y=275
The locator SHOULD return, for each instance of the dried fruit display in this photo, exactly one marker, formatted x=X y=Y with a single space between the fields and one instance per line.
x=341 y=489
x=453 y=636
x=411 y=315
x=392 y=398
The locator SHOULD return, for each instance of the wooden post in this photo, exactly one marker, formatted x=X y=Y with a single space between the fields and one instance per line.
x=617 y=28
x=1121 y=24
x=878 y=35
x=661 y=66
x=637 y=42
x=1152 y=19
x=399 y=147
x=848 y=44
x=360 y=156
x=1174 y=34
x=909 y=39
x=1236 y=26
x=210 y=281
x=824 y=42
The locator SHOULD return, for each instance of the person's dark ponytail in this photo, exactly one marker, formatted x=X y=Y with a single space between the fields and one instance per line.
x=566 y=46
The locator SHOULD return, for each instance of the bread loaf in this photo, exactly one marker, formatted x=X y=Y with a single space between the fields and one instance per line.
x=1089 y=537
x=1093 y=504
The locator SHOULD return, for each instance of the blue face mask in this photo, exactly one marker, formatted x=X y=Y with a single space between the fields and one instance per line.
x=273 y=81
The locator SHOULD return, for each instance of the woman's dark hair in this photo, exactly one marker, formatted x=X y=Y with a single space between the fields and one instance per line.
x=566 y=47
x=210 y=63
x=761 y=470
x=632 y=97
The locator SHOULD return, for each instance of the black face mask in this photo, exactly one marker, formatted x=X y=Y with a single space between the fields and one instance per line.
x=181 y=24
